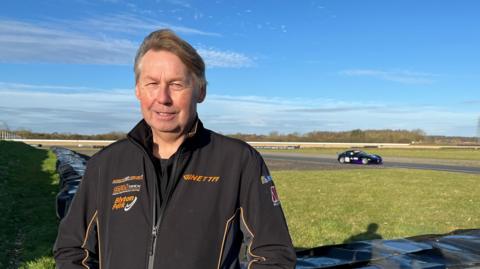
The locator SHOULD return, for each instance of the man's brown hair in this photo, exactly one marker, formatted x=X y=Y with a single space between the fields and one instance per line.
x=167 y=40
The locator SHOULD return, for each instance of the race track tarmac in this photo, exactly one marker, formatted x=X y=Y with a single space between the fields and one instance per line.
x=296 y=161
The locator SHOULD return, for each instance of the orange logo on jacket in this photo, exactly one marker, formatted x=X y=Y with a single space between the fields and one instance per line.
x=197 y=178
x=125 y=188
x=125 y=179
x=124 y=202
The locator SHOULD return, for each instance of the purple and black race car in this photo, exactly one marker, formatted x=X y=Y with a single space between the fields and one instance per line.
x=359 y=157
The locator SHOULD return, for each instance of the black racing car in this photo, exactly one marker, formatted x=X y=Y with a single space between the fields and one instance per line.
x=358 y=157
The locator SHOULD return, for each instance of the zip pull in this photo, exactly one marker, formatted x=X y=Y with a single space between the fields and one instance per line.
x=154 y=237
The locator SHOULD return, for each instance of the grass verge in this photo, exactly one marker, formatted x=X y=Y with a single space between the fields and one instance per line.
x=28 y=185
x=336 y=206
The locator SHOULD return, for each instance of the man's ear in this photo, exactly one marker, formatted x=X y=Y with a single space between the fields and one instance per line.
x=137 y=92
x=202 y=94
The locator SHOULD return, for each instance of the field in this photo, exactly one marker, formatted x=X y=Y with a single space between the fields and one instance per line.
x=322 y=207
x=329 y=207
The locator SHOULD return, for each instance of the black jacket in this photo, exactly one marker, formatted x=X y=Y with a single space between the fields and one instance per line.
x=220 y=195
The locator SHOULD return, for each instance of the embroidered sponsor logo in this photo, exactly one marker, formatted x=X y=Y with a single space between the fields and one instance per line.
x=125 y=202
x=275 y=199
x=126 y=179
x=198 y=178
x=130 y=205
x=126 y=188
x=266 y=179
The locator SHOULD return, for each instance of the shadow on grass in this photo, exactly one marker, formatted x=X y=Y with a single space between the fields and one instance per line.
x=28 y=186
x=369 y=234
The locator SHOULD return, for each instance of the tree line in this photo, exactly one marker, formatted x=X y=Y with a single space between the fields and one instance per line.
x=416 y=136
x=353 y=136
x=26 y=134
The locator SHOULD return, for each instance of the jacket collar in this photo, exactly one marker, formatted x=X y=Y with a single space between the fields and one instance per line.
x=141 y=134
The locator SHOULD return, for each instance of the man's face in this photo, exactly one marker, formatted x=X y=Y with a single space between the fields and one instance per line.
x=166 y=92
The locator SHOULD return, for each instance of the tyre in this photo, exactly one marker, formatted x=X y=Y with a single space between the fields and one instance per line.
x=364 y=161
x=342 y=160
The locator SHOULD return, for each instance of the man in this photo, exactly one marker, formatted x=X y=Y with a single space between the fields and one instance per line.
x=174 y=194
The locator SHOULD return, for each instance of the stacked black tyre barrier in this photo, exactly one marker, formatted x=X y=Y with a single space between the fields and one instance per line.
x=70 y=167
x=458 y=249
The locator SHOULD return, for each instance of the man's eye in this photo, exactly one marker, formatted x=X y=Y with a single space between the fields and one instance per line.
x=151 y=85
x=176 y=86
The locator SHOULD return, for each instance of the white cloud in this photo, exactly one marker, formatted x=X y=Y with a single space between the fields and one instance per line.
x=216 y=58
x=249 y=114
x=25 y=43
x=401 y=76
x=112 y=42
x=130 y=24
x=50 y=108
x=47 y=88
x=471 y=102
x=183 y=4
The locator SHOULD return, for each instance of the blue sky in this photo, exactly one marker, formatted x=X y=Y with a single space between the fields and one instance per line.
x=286 y=66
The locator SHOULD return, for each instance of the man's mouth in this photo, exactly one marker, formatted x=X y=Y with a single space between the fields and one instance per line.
x=164 y=115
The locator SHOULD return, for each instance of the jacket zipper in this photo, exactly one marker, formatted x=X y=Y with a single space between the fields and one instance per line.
x=151 y=247
x=152 y=242
x=155 y=228
x=151 y=254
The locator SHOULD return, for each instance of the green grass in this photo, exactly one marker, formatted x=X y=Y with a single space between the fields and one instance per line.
x=330 y=207
x=447 y=154
x=28 y=185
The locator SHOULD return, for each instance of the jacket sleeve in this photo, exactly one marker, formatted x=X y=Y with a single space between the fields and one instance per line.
x=77 y=245
x=262 y=220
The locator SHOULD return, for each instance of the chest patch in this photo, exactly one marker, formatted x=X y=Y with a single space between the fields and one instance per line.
x=119 y=189
x=124 y=202
x=127 y=179
x=128 y=184
x=199 y=178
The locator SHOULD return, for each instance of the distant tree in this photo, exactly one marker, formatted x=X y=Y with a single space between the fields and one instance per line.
x=357 y=135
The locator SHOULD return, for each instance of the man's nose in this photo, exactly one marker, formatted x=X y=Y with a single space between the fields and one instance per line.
x=163 y=94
